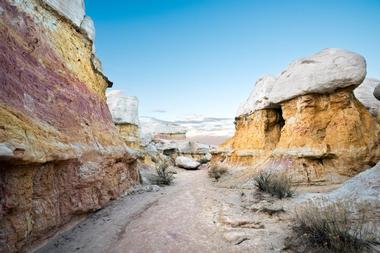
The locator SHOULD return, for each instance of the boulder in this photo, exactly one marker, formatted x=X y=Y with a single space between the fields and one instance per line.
x=259 y=97
x=365 y=94
x=322 y=73
x=186 y=163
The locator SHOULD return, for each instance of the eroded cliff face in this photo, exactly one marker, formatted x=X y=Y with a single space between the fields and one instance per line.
x=315 y=137
x=326 y=136
x=255 y=137
x=60 y=154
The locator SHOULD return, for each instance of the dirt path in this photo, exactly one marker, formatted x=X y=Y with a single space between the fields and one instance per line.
x=193 y=215
x=178 y=218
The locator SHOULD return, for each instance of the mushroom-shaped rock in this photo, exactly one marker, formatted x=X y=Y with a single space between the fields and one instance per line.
x=71 y=9
x=124 y=109
x=365 y=94
x=259 y=97
x=321 y=73
x=186 y=163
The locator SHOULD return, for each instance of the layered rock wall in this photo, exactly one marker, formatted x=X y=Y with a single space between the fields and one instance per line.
x=60 y=154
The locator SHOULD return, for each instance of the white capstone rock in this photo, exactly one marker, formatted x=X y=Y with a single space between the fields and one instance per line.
x=186 y=163
x=71 y=9
x=364 y=93
x=323 y=72
x=88 y=27
x=124 y=109
x=259 y=97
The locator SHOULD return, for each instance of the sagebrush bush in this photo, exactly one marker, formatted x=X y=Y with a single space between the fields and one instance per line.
x=332 y=228
x=165 y=175
x=277 y=185
x=217 y=170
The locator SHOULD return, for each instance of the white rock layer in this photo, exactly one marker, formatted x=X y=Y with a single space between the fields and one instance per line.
x=71 y=9
x=259 y=97
x=323 y=72
x=365 y=94
x=88 y=27
x=124 y=109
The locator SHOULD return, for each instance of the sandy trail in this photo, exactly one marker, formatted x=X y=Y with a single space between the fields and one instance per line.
x=178 y=218
x=192 y=215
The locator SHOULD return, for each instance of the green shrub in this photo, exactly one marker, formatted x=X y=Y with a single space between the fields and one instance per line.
x=276 y=184
x=165 y=176
x=331 y=228
x=216 y=171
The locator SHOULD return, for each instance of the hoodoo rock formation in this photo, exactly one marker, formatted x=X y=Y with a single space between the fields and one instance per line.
x=307 y=122
x=124 y=111
x=60 y=154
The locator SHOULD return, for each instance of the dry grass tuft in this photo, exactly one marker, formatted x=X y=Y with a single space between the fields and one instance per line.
x=217 y=170
x=333 y=228
x=165 y=175
x=276 y=184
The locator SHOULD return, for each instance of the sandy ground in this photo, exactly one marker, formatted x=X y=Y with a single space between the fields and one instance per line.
x=192 y=215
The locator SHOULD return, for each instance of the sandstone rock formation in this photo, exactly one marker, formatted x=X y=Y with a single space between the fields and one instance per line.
x=186 y=163
x=124 y=111
x=365 y=94
x=60 y=154
x=319 y=131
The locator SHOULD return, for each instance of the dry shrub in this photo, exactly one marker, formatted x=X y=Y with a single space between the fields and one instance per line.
x=217 y=170
x=333 y=228
x=277 y=185
x=165 y=175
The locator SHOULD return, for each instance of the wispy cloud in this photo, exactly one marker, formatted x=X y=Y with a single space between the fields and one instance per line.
x=199 y=125
x=159 y=111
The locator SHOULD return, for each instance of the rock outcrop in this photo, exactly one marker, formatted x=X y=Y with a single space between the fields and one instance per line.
x=60 y=154
x=124 y=111
x=365 y=94
x=310 y=126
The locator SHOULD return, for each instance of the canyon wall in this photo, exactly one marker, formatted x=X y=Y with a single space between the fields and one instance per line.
x=307 y=122
x=60 y=154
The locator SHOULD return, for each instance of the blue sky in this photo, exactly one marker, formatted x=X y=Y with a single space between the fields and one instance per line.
x=203 y=57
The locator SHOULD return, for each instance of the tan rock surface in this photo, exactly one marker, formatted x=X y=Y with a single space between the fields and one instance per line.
x=60 y=154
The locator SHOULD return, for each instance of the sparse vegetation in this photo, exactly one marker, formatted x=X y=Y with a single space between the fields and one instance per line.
x=165 y=175
x=217 y=170
x=333 y=228
x=277 y=185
